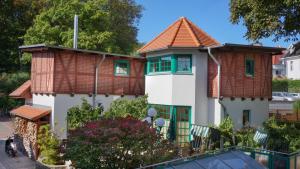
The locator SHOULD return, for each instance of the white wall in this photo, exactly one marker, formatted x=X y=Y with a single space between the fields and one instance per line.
x=295 y=73
x=215 y=113
x=181 y=89
x=258 y=111
x=62 y=102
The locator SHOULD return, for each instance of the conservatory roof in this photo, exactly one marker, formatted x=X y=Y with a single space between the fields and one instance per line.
x=233 y=159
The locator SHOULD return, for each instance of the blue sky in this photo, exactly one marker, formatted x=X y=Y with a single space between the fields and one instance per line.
x=211 y=15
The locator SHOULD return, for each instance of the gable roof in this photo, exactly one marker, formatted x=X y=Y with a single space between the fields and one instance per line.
x=182 y=33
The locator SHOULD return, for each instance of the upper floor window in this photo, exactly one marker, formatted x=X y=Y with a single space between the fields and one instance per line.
x=170 y=63
x=160 y=64
x=291 y=66
x=184 y=63
x=249 y=67
x=121 y=67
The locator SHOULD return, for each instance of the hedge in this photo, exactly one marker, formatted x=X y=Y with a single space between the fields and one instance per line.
x=286 y=86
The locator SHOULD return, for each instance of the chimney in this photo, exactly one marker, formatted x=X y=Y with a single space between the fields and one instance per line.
x=75 y=32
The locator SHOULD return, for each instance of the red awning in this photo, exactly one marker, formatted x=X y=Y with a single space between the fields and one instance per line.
x=23 y=91
x=31 y=113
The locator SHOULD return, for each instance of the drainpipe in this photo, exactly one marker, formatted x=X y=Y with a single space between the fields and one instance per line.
x=219 y=78
x=98 y=64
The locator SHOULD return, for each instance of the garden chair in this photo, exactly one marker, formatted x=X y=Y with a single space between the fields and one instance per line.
x=198 y=133
x=261 y=138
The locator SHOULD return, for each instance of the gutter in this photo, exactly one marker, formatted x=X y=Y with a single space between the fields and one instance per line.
x=219 y=79
x=98 y=64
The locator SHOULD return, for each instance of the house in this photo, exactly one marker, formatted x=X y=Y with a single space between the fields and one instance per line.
x=278 y=64
x=292 y=60
x=192 y=78
x=61 y=77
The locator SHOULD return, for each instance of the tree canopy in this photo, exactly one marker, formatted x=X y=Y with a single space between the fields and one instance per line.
x=16 y=16
x=106 y=25
x=266 y=18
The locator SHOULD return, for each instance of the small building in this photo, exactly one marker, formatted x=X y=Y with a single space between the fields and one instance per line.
x=292 y=60
x=278 y=64
x=193 y=79
x=61 y=77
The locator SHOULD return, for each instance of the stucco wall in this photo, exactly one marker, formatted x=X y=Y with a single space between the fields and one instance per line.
x=62 y=102
x=258 y=111
x=295 y=73
x=215 y=113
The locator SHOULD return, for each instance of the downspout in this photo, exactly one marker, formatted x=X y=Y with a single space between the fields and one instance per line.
x=219 y=79
x=98 y=64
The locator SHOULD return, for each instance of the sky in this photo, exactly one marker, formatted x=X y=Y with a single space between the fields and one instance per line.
x=212 y=16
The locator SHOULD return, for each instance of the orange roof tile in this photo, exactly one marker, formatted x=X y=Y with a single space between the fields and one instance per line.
x=31 y=113
x=23 y=91
x=182 y=33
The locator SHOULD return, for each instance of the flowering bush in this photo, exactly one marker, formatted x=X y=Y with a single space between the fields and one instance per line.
x=117 y=143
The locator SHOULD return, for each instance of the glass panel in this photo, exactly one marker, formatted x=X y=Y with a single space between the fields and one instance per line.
x=183 y=63
x=246 y=117
x=122 y=68
x=249 y=67
x=262 y=159
x=183 y=124
x=154 y=65
x=163 y=111
x=166 y=63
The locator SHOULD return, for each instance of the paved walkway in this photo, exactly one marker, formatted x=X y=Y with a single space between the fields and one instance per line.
x=6 y=162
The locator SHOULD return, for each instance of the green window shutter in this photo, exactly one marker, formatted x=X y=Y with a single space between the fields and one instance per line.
x=174 y=64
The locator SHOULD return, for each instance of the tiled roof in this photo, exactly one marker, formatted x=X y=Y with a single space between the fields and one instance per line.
x=31 y=113
x=23 y=91
x=182 y=33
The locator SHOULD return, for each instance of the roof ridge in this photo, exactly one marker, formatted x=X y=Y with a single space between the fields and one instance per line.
x=192 y=32
x=176 y=33
x=149 y=43
x=202 y=31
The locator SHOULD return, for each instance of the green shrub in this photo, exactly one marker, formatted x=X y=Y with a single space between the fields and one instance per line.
x=227 y=131
x=136 y=108
x=78 y=116
x=245 y=137
x=49 y=145
x=286 y=85
x=117 y=143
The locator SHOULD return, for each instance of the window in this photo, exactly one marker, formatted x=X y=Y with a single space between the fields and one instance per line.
x=246 y=117
x=121 y=67
x=291 y=66
x=160 y=64
x=249 y=67
x=184 y=63
x=278 y=72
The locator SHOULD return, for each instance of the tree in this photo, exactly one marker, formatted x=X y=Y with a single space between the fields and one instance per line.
x=105 y=25
x=265 y=18
x=15 y=17
x=136 y=108
x=117 y=143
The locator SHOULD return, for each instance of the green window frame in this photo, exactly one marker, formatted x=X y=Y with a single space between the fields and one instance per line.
x=121 y=68
x=246 y=117
x=178 y=63
x=183 y=63
x=249 y=67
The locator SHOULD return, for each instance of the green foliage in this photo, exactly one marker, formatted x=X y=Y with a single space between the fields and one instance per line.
x=117 y=143
x=296 y=108
x=8 y=83
x=136 y=108
x=79 y=116
x=227 y=131
x=48 y=145
x=15 y=17
x=286 y=85
x=245 y=137
x=106 y=25
x=267 y=18
x=282 y=137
